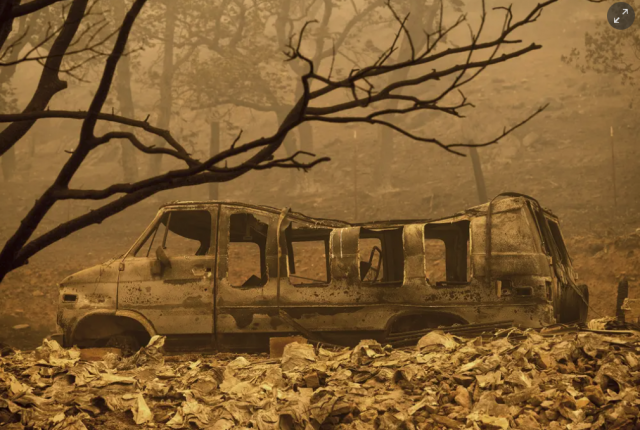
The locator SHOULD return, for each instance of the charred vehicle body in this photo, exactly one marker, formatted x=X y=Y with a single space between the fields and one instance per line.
x=230 y=276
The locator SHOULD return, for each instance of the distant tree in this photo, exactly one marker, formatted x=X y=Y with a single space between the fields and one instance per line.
x=422 y=19
x=358 y=96
x=609 y=51
x=124 y=94
x=243 y=34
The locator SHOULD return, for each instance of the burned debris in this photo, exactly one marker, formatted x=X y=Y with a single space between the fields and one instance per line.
x=230 y=276
x=559 y=378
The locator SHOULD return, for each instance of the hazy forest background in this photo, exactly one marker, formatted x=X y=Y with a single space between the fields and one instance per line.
x=206 y=69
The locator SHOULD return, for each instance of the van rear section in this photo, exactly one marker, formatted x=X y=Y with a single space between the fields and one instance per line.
x=518 y=252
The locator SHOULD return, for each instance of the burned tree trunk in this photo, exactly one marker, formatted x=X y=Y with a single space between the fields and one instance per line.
x=125 y=100
x=166 y=81
x=479 y=175
x=305 y=132
x=9 y=164
x=214 y=149
x=6 y=22
x=420 y=15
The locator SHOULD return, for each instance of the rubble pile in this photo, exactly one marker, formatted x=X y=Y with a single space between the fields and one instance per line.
x=514 y=380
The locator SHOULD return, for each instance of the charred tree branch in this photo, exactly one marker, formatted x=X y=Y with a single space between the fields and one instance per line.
x=13 y=254
x=32 y=116
x=50 y=83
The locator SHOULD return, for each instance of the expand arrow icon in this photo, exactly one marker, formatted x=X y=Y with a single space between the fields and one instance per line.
x=625 y=11
x=615 y=20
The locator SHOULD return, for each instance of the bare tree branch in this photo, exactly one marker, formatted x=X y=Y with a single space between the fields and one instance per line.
x=15 y=250
x=32 y=116
x=50 y=83
x=90 y=47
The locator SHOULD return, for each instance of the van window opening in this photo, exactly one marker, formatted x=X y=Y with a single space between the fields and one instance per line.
x=182 y=233
x=381 y=256
x=536 y=219
x=153 y=237
x=545 y=233
x=246 y=253
x=435 y=257
x=371 y=264
x=559 y=241
x=308 y=254
x=446 y=251
x=551 y=247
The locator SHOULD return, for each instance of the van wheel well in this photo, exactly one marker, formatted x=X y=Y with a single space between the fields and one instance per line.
x=419 y=321
x=97 y=330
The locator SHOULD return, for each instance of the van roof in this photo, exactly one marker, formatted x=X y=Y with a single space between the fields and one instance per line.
x=508 y=201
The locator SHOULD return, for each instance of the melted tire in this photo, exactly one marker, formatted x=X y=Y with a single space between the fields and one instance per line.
x=129 y=344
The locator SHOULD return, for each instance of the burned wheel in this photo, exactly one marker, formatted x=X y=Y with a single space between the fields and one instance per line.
x=128 y=343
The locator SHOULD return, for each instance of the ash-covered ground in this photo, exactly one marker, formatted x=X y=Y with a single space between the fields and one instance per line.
x=511 y=379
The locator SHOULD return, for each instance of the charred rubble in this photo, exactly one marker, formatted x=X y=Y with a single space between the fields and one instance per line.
x=554 y=378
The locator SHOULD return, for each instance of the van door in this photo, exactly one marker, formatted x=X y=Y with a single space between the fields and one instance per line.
x=245 y=297
x=174 y=291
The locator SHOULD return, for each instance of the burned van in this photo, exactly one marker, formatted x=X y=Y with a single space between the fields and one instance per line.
x=229 y=276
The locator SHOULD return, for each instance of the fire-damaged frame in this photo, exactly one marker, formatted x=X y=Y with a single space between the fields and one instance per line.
x=229 y=276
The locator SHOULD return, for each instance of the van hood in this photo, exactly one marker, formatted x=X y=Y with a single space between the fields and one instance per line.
x=105 y=272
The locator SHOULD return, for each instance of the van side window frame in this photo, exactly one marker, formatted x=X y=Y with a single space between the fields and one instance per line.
x=153 y=228
x=231 y=215
x=535 y=212
x=556 y=235
x=458 y=258
x=307 y=234
x=391 y=254
x=546 y=235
